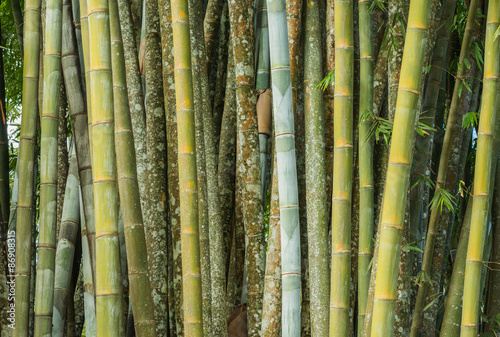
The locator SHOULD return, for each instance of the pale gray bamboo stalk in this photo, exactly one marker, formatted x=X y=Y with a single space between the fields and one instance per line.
x=287 y=170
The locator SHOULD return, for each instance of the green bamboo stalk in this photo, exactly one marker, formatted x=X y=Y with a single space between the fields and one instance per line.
x=193 y=325
x=135 y=240
x=398 y=172
x=286 y=166
x=453 y=126
x=315 y=165
x=343 y=170
x=48 y=170
x=70 y=223
x=248 y=169
x=366 y=181
x=482 y=182
x=108 y=281
x=271 y=318
x=27 y=146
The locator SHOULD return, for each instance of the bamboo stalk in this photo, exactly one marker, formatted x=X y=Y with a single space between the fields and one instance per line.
x=156 y=185
x=394 y=201
x=482 y=182
x=27 y=147
x=286 y=167
x=343 y=170
x=193 y=325
x=366 y=181
x=108 y=281
x=315 y=165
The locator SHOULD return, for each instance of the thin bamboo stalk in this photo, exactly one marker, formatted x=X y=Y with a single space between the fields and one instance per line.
x=395 y=195
x=27 y=147
x=366 y=181
x=193 y=325
x=343 y=170
x=485 y=156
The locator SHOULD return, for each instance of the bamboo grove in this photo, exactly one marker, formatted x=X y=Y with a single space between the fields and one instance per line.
x=245 y=168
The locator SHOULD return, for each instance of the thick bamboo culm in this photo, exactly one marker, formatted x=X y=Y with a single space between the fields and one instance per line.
x=48 y=170
x=342 y=169
x=398 y=171
x=191 y=280
x=26 y=163
x=482 y=176
x=107 y=277
x=366 y=183
x=284 y=130
x=135 y=239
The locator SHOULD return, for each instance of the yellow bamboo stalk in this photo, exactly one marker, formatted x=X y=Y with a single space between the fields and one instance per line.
x=188 y=190
x=398 y=171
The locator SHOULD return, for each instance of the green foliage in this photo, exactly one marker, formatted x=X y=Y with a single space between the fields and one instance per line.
x=470 y=120
x=443 y=198
x=329 y=78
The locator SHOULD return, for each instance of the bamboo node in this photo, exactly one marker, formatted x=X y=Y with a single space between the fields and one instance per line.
x=416 y=92
x=398 y=227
